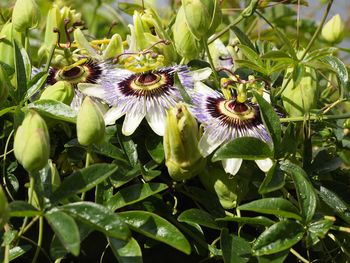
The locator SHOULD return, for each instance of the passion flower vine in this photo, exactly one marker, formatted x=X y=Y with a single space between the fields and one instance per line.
x=225 y=120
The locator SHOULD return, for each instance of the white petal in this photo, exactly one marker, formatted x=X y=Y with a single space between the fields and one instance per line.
x=232 y=165
x=92 y=90
x=133 y=119
x=113 y=114
x=156 y=119
x=207 y=144
x=264 y=164
x=266 y=96
x=201 y=74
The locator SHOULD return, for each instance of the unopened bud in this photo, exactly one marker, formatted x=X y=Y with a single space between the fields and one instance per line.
x=333 y=30
x=25 y=15
x=61 y=91
x=90 y=123
x=182 y=156
x=32 y=142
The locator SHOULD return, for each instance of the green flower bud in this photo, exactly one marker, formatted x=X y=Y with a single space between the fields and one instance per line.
x=7 y=35
x=333 y=30
x=4 y=85
x=32 y=142
x=185 y=42
x=202 y=16
x=114 y=47
x=61 y=91
x=298 y=98
x=3 y=208
x=55 y=177
x=90 y=123
x=26 y=14
x=182 y=156
x=229 y=190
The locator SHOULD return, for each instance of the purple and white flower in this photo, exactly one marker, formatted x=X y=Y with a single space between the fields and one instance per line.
x=225 y=120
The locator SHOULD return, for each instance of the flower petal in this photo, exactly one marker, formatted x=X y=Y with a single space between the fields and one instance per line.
x=264 y=164
x=113 y=114
x=133 y=119
x=208 y=143
x=232 y=165
x=93 y=90
x=156 y=119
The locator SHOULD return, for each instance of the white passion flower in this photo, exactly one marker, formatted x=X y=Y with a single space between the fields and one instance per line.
x=225 y=120
x=144 y=95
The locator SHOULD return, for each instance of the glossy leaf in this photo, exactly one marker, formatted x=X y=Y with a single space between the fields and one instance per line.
x=318 y=230
x=243 y=38
x=273 y=181
x=126 y=251
x=66 y=230
x=199 y=217
x=274 y=206
x=99 y=218
x=278 y=237
x=18 y=251
x=83 y=180
x=305 y=191
x=154 y=146
x=259 y=220
x=274 y=258
x=20 y=68
x=123 y=176
x=277 y=55
x=238 y=149
x=133 y=194
x=234 y=249
x=339 y=67
x=54 y=109
x=22 y=209
x=36 y=83
x=156 y=227
x=270 y=119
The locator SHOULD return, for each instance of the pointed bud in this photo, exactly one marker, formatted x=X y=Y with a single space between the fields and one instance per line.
x=182 y=156
x=333 y=30
x=26 y=14
x=90 y=123
x=114 y=47
x=32 y=142
x=61 y=91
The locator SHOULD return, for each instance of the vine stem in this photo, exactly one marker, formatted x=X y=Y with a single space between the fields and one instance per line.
x=7 y=247
x=40 y=239
x=87 y=164
x=317 y=118
x=4 y=164
x=300 y=257
x=48 y=61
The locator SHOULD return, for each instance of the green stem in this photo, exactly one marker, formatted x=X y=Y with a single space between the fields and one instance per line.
x=48 y=61
x=318 y=30
x=40 y=239
x=300 y=257
x=206 y=48
x=317 y=118
x=4 y=164
x=7 y=247
x=87 y=164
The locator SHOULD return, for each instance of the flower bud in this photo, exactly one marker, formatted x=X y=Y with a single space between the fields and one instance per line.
x=90 y=123
x=298 y=98
x=182 y=156
x=114 y=47
x=3 y=208
x=7 y=35
x=4 y=85
x=229 y=190
x=25 y=15
x=202 y=16
x=61 y=91
x=55 y=177
x=185 y=42
x=32 y=142
x=333 y=30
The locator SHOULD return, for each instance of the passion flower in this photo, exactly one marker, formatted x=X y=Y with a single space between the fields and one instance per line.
x=137 y=95
x=224 y=120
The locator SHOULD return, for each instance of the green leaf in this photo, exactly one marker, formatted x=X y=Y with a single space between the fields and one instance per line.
x=287 y=43
x=277 y=55
x=83 y=180
x=126 y=251
x=21 y=79
x=251 y=54
x=54 y=109
x=36 y=83
x=305 y=191
x=154 y=146
x=270 y=119
x=278 y=237
x=317 y=230
x=273 y=181
x=251 y=65
x=18 y=251
x=243 y=38
x=129 y=8
x=134 y=194
x=22 y=209
x=248 y=148
x=274 y=258
x=259 y=220
x=98 y=217
x=273 y=206
x=109 y=150
x=335 y=203
x=234 y=249
x=66 y=230
x=199 y=217
x=156 y=227
x=130 y=149
x=339 y=67
x=123 y=175
x=320 y=53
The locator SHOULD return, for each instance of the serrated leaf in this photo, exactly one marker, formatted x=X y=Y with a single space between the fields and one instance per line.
x=305 y=191
x=238 y=148
x=134 y=194
x=156 y=227
x=54 y=109
x=22 y=209
x=199 y=217
x=66 y=230
x=99 y=218
x=278 y=237
x=273 y=206
x=234 y=249
x=83 y=180
x=126 y=251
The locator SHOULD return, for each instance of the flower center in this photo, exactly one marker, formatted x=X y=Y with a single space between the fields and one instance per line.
x=147 y=79
x=236 y=110
x=72 y=72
